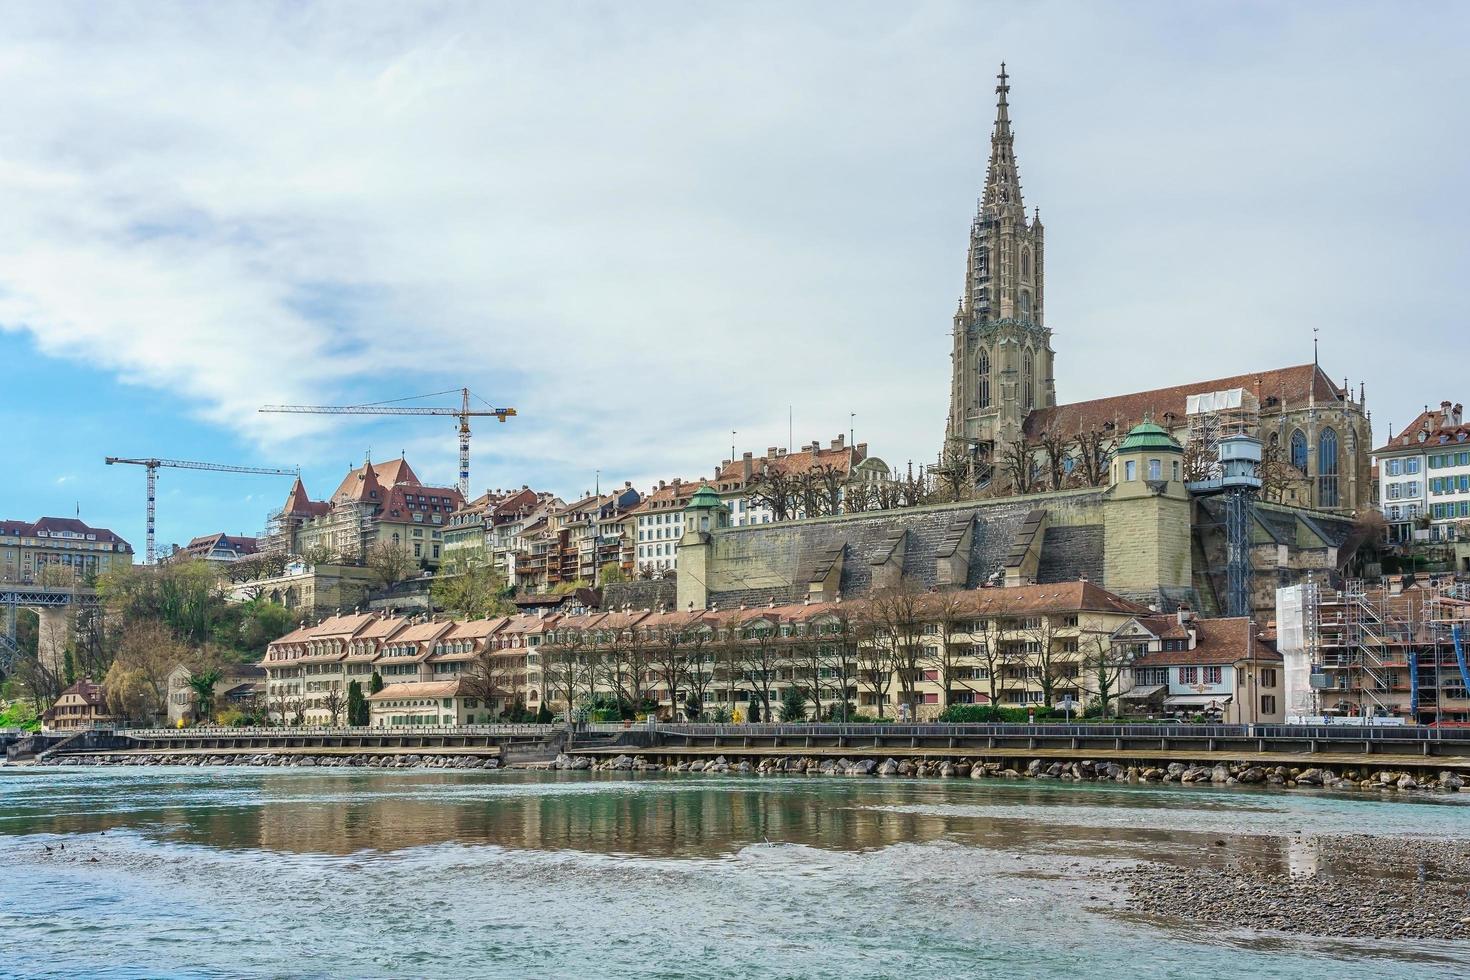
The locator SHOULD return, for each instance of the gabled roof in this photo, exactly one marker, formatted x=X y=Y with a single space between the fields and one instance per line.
x=1219 y=641
x=61 y=526
x=811 y=457
x=1292 y=385
x=419 y=689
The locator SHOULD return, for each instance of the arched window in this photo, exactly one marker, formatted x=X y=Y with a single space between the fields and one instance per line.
x=1029 y=380
x=1026 y=302
x=1299 y=450
x=1327 y=495
x=982 y=368
x=1025 y=263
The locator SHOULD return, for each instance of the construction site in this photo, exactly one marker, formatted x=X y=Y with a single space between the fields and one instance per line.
x=1391 y=650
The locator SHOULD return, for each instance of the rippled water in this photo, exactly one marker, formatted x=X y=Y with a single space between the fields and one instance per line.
x=242 y=872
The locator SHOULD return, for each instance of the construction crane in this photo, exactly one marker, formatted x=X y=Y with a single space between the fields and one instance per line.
x=153 y=465
x=464 y=413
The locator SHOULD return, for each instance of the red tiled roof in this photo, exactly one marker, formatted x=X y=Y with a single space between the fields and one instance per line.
x=1437 y=427
x=1292 y=385
x=1220 y=641
x=57 y=525
x=418 y=689
x=843 y=458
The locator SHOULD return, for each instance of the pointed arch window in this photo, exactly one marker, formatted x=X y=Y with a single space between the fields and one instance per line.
x=982 y=368
x=1028 y=376
x=1327 y=495
x=1025 y=263
x=1299 y=450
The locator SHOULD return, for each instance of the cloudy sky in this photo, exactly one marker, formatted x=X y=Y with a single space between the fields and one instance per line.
x=645 y=225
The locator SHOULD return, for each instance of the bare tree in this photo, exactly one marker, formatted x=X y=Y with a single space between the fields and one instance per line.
x=990 y=653
x=823 y=489
x=1019 y=465
x=1091 y=448
x=1054 y=451
x=334 y=704
x=494 y=676
x=1199 y=462
x=860 y=497
x=1047 y=658
x=1103 y=664
x=950 y=655
x=897 y=622
x=699 y=667
x=761 y=655
x=390 y=563
x=669 y=660
x=778 y=490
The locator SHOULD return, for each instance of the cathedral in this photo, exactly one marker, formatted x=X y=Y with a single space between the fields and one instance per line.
x=1317 y=435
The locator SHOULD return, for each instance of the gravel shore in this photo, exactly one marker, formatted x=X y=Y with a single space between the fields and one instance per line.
x=1362 y=887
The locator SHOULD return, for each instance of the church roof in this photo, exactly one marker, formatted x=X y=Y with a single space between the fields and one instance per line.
x=1289 y=386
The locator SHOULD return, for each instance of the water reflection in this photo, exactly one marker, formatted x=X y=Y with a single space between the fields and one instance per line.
x=665 y=816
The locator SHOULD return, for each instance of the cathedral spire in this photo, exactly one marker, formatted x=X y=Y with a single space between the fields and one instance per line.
x=1002 y=182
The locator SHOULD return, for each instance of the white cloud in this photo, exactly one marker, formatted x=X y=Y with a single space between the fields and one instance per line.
x=646 y=225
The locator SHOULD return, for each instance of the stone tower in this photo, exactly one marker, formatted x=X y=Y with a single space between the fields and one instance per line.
x=1002 y=360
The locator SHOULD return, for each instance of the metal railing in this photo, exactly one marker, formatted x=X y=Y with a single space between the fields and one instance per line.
x=317 y=731
x=1333 y=733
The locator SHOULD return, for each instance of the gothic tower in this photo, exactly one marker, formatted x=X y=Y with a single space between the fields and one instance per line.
x=1002 y=359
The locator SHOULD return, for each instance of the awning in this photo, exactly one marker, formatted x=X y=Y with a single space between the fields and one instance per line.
x=1143 y=693
x=1197 y=701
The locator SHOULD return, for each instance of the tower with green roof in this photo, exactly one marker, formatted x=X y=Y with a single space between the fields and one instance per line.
x=1147 y=508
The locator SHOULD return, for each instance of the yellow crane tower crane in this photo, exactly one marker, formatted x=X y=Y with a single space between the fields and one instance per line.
x=464 y=413
x=152 y=466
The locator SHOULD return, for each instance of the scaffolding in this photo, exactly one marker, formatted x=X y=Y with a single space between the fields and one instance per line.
x=1394 y=649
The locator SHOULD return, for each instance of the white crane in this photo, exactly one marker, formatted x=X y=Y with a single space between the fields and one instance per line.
x=152 y=466
x=464 y=413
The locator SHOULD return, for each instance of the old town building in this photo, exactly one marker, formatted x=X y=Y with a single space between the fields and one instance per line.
x=81 y=706
x=1424 y=483
x=375 y=503
x=64 y=543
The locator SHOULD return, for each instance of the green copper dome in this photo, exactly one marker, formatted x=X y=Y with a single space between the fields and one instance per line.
x=705 y=496
x=1148 y=437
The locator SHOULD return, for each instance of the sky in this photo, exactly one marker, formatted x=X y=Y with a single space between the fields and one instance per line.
x=645 y=225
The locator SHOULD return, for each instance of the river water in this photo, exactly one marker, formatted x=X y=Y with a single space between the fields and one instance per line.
x=324 y=873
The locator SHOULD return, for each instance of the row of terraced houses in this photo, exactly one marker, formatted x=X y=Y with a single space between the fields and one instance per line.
x=908 y=654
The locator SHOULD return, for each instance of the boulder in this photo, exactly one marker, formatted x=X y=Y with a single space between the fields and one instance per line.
x=1219 y=774
x=1309 y=777
x=1450 y=780
x=863 y=767
x=1255 y=774
x=1407 y=782
x=946 y=770
x=1033 y=767
x=980 y=772
x=888 y=768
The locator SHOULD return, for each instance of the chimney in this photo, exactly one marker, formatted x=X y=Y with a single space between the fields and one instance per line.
x=1458 y=413
x=745 y=468
x=660 y=484
x=839 y=443
x=770 y=450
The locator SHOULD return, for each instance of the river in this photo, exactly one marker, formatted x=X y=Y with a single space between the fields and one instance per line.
x=322 y=873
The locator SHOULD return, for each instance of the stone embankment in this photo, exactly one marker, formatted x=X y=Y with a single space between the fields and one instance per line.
x=1084 y=771
x=362 y=760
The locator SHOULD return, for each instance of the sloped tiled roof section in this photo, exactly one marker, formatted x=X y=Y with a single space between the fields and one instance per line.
x=1292 y=386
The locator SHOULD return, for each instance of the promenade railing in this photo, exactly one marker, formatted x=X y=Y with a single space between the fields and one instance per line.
x=327 y=731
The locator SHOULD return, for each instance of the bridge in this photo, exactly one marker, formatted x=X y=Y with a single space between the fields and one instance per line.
x=48 y=599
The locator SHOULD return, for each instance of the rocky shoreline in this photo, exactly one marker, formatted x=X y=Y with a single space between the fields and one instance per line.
x=1288 y=777
x=1218 y=774
x=361 y=760
x=1382 y=888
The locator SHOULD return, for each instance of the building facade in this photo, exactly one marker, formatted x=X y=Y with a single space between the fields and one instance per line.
x=1424 y=483
x=64 y=543
x=79 y=707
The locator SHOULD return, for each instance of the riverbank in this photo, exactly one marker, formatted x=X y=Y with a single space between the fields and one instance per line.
x=1223 y=774
x=1410 y=889
x=1385 y=780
